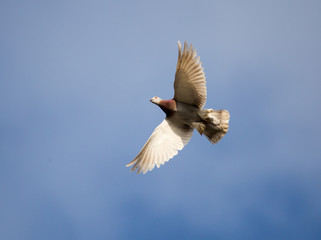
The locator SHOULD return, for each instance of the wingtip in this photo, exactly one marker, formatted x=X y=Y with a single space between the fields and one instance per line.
x=179 y=44
x=130 y=164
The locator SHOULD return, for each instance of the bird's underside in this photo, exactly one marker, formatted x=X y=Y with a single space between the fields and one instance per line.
x=183 y=113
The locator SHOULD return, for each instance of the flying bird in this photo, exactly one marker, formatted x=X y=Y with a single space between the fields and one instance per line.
x=183 y=113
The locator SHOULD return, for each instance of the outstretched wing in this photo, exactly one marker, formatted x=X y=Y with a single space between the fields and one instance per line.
x=190 y=83
x=164 y=143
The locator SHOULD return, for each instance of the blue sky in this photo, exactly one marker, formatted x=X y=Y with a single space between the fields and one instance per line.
x=75 y=82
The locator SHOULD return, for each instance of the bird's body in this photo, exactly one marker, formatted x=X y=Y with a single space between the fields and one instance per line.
x=183 y=113
x=188 y=114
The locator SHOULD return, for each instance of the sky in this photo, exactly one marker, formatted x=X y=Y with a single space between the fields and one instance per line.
x=75 y=82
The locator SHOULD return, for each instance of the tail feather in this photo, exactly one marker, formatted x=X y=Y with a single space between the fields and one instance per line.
x=215 y=125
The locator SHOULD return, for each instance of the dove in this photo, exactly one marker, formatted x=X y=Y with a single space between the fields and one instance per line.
x=184 y=113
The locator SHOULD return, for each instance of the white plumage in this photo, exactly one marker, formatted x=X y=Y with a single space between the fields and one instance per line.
x=190 y=84
x=183 y=113
x=164 y=143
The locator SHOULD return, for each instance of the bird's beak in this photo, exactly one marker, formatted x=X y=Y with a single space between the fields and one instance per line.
x=151 y=100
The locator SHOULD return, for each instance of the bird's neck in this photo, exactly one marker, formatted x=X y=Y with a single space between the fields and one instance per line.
x=168 y=106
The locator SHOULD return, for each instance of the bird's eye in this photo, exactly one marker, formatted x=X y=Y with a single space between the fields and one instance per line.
x=155 y=97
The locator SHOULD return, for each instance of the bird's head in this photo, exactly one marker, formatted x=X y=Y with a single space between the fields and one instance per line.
x=156 y=100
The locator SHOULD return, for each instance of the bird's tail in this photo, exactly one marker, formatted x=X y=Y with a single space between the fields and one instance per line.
x=215 y=124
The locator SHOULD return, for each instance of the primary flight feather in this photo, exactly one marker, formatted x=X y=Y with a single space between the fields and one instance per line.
x=183 y=113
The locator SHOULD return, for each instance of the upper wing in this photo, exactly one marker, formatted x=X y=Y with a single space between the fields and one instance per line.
x=190 y=84
x=161 y=146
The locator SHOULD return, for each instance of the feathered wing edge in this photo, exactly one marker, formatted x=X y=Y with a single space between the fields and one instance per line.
x=190 y=81
x=164 y=143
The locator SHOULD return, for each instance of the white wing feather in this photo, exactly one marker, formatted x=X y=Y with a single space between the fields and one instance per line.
x=190 y=83
x=164 y=143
